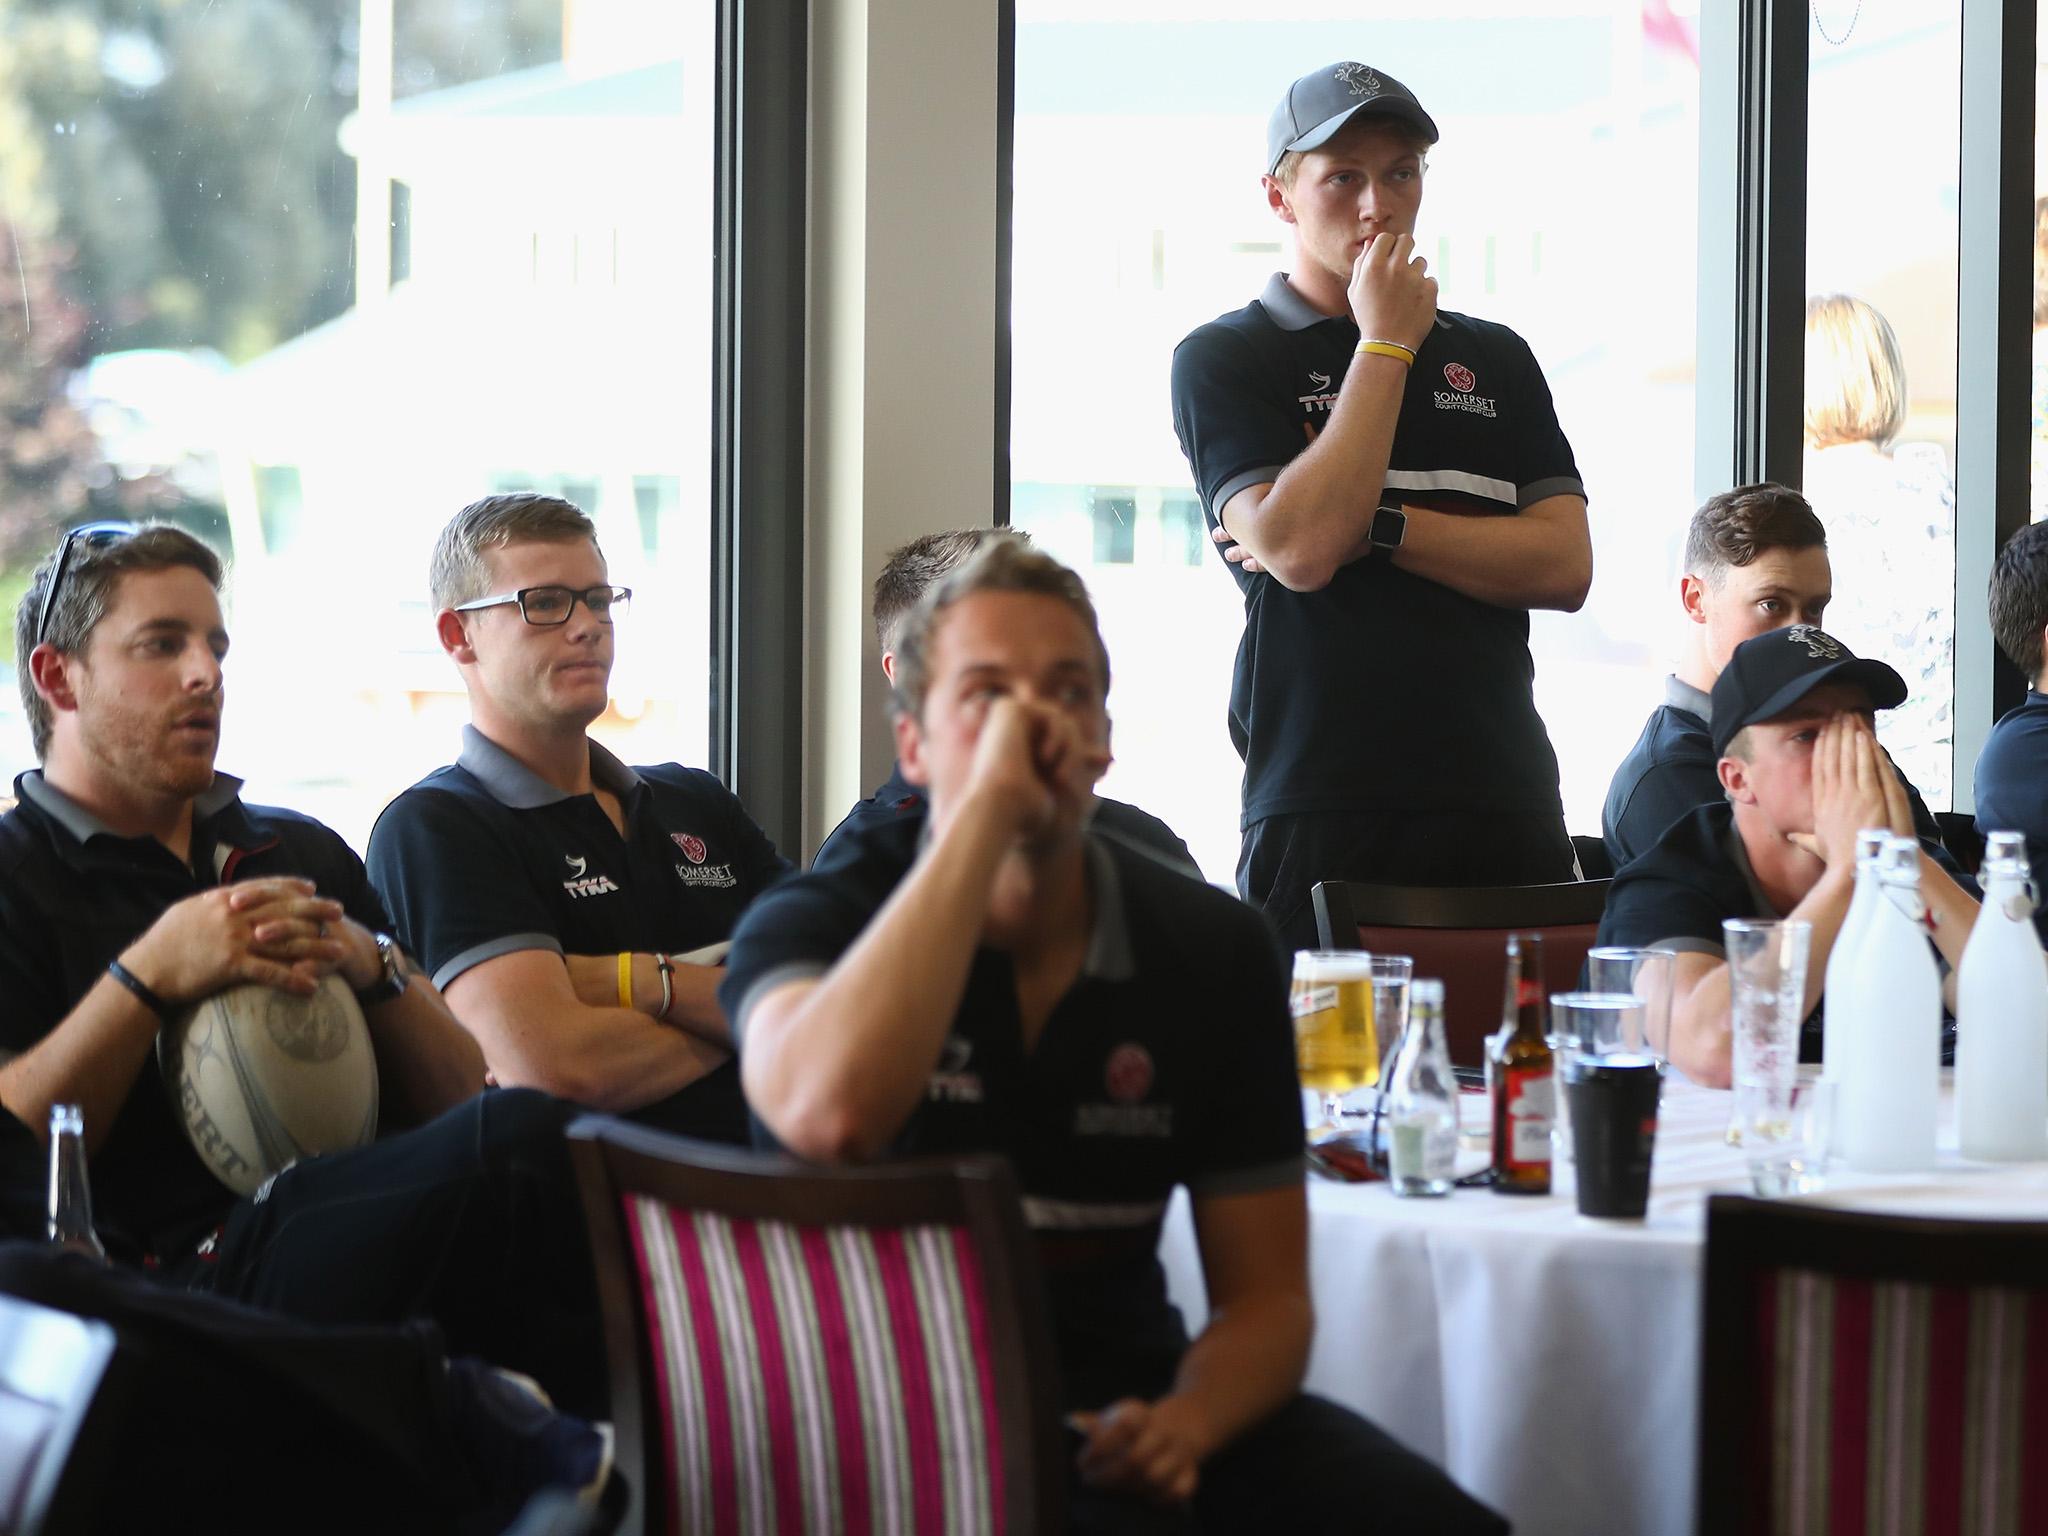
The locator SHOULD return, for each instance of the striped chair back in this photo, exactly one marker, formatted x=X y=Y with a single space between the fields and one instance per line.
x=1872 y=1374
x=819 y=1351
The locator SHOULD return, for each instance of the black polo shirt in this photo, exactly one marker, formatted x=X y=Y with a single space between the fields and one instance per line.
x=485 y=858
x=1673 y=769
x=73 y=895
x=2012 y=783
x=1383 y=691
x=1113 y=818
x=1170 y=1061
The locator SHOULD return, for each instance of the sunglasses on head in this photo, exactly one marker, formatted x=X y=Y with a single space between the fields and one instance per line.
x=92 y=536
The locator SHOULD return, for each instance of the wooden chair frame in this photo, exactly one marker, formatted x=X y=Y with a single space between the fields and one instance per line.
x=1749 y=1238
x=1345 y=906
x=613 y=1158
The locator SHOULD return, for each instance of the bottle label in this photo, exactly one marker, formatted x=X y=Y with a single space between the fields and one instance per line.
x=1532 y=1105
x=1529 y=992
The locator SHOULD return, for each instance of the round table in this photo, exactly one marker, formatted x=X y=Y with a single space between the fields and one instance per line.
x=1550 y=1361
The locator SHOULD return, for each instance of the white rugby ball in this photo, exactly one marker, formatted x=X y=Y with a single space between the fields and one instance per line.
x=260 y=1078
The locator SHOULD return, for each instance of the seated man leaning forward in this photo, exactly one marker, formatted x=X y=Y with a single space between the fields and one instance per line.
x=1756 y=559
x=547 y=887
x=1014 y=984
x=905 y=575
x=2012 y=770
x=1802 y=774
x=136 y=882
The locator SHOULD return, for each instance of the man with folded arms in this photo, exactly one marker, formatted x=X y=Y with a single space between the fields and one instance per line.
x=137 y=883
x=1801 y=774
x=1756 y=559
x=547 y=887
x=903 y=579
x=1115 y=1028
x=1401 y=496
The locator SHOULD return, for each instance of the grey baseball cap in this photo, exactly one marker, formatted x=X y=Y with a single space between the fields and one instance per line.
x=1319 y=104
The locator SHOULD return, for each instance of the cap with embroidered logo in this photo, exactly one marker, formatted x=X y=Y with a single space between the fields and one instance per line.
x=1319 y=104
x=1769 y=673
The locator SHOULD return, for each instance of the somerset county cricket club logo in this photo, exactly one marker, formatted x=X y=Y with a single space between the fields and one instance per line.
x=1358 y=79
x=693 y=847
x=1128 y=1077
x=1459 y=377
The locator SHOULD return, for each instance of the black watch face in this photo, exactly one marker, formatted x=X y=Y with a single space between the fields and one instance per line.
x=1388 y=524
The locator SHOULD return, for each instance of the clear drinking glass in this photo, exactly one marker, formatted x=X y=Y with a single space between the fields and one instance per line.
x=1766 y=1002
x=1647 y=974
x=1788 y=1154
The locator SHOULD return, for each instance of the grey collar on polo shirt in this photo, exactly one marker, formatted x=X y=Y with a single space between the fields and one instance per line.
x=1110 y=957
x=517 y=787
x=1680 y=694
x=83 y=825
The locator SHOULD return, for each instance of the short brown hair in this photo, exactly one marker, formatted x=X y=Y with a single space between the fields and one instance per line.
x=91 y=572
x=1001 y=565
x=916 y=565
x=458 y=574
x=1732 y=528
x=1855 y=376
x=2019 y=598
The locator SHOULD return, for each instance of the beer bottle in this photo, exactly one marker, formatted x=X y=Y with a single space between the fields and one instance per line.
x=1524 y=1080
x=70 y=1192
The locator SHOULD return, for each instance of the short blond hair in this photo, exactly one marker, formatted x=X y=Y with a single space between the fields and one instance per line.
x=1855 y=378
x=457 y=573
x=1000 y=565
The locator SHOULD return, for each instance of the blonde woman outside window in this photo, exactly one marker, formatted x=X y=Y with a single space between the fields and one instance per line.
x=1889 y=511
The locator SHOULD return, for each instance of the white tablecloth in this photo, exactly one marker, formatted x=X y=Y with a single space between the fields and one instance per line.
x=1549 y=1360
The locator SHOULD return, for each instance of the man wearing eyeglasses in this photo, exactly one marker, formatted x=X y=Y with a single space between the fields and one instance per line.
x=552 y=892
x=134 y=882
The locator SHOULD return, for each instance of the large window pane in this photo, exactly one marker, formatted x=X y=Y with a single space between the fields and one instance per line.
x=1561 y=201
x=309 y=278
x=1884 y=136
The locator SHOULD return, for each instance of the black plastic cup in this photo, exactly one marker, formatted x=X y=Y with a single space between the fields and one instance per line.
x=1614 y=1131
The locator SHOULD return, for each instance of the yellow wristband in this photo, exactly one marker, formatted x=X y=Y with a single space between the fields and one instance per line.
x=1388 y=349
x=625 y=978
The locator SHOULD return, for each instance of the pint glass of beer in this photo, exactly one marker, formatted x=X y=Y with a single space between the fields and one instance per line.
x=1335 y=1045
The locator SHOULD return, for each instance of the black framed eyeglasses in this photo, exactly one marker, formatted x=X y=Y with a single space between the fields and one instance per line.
x=92 y=536
x=549 y=606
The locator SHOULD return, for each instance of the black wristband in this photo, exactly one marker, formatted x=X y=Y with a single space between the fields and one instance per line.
x=140 y=988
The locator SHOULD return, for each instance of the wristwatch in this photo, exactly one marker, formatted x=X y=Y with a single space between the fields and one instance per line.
x=1389 y=527
x=391 y=984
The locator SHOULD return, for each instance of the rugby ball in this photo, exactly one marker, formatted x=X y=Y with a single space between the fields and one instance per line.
x=260 y=1078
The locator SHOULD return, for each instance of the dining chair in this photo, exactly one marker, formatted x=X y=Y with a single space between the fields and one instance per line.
x=1460 y=934
x=60 y=1389
x=804 y=1349
x=1871 y=1372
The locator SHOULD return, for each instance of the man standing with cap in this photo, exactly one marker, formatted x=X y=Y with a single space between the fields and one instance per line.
x=1799 y=763
x=1397 y=495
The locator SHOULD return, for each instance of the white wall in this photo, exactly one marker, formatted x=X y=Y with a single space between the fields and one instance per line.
x=902 y=359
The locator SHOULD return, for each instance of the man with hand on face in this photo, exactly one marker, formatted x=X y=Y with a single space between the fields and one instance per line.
x=548 y=888
x=1014 y=984
x=903 y=579
x=1802 y=774
x=136 y=883
x=1400 y=496
x=1756 y=559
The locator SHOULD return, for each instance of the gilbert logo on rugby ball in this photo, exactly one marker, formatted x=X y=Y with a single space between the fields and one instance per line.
x=260 y=1078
